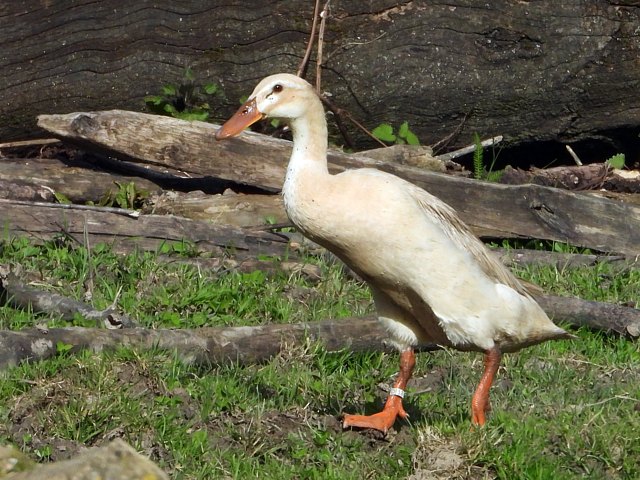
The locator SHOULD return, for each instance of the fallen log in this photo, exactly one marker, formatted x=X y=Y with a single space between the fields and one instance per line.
x=17 y=294
x=492 y=210
x=115 y=460
x=128 y=229
x=607 y=317
x=246 y=345
x=78 y=184
x=573 y=177
x=522 y=257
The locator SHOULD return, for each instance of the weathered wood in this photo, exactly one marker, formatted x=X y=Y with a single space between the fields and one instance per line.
x=547 y=70
x=259 y=343
x=115 y=460
x=243 y=345
x=521 y=257
x=180 y=146
x=492 y=210
x=147 y=232
x=228 y=209
x=608 y=317
x=17 y=294
x=45 y=176
x=574 y=177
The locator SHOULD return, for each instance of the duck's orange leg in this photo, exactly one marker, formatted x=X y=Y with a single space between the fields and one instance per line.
x=480 y=401
x=393 y=407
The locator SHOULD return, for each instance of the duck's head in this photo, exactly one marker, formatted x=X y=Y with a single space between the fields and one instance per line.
x=282 y=96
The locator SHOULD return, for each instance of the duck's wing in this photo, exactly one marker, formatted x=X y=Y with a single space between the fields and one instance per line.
x=460 y=234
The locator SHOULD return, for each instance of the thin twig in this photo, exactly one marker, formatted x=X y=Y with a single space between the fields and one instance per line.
x=72 y=206
x=305 y=61
x=468 y=149
x=574 y=155
x=445 y=141
x=337 y=115
x=323 y=22
x=89 y=285
x=30 y=143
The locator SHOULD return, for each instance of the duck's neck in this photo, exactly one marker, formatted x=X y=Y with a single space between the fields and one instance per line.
x=307 y=172
x=309 y=142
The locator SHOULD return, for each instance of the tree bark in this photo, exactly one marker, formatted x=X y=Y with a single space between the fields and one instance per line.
x=561 y=71
x=492 y=210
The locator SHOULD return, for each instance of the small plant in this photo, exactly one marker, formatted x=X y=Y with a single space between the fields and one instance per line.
x=384 y=133
x=478 y=158
x=479 y=170
x=186 y=101
x=127 y=196
x=617 y=161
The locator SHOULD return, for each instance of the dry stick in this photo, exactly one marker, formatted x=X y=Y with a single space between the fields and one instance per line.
x=30 y=143
x=574 y=155
x=305 y=60
x=445 y=141
x=18 y=295
x=469 y=149
x=338 y=119
x=338 y=113
x=323 y=22
x=72 y=206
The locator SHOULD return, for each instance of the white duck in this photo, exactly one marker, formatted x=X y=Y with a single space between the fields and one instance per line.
x=432 y=280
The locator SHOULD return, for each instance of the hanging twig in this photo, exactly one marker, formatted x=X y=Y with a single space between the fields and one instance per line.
x=323 y=22
x=305 y=60
x=445 y=141
x=338 y=113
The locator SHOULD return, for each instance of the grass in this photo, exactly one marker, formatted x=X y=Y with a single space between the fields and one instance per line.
x=561 y=410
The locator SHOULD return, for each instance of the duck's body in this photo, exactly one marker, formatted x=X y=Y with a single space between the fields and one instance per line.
x=432 y=280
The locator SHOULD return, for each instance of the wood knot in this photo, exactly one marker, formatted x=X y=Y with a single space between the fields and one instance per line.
x=84 y=125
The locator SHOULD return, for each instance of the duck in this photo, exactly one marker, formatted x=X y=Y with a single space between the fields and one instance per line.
x=431 y=279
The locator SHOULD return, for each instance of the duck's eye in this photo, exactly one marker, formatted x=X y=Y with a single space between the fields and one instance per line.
x=277 y=88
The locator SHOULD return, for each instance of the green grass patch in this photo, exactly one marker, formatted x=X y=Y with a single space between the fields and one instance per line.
x=560 y=410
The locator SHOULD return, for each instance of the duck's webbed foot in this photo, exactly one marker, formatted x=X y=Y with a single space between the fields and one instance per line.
x=393 y=408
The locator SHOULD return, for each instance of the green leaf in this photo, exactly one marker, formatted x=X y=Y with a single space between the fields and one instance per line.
x=62 y=347
x=154 y=99
x=170 y=109
x=617 y=161
x=188 y=74
x=384 y=132
x=190 y=116
x=403 y=130
x=61 y=198
x=210 y=88
x=412 y=139
x=170 y=90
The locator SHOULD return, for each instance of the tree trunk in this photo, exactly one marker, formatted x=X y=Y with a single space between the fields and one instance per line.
x=561 y=71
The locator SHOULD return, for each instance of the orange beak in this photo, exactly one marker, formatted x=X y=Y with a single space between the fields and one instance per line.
x=246 y=115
